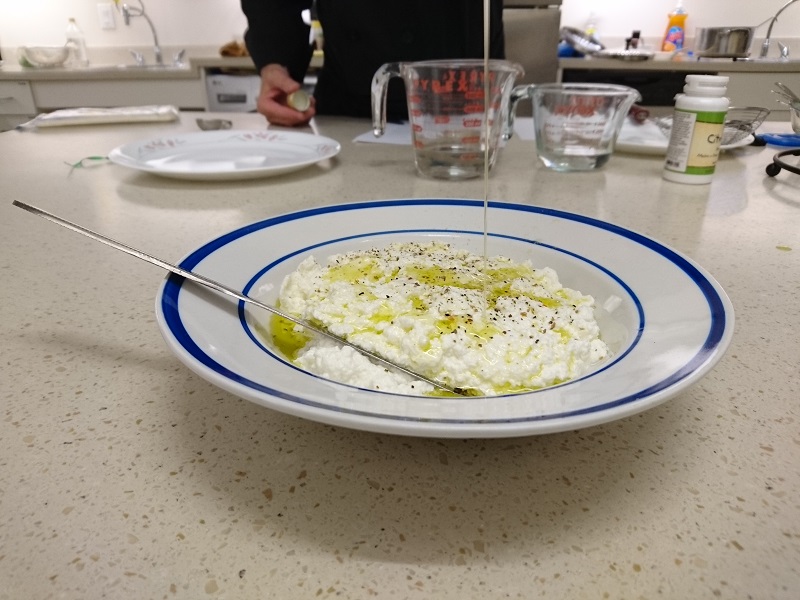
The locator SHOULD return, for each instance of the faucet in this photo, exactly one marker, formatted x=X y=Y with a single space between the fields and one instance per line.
x=772 y=21
x=132 y=11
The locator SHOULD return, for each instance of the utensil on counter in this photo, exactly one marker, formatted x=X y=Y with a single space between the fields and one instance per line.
x=580 y=40
x=628 y=54
x=587 y=44
x=227 y=291
x=213 y=124
x=788 y=91
x=739 y=123
x=723 y=42
x=782 y=98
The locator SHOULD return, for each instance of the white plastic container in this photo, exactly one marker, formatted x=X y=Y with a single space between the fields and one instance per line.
x=697 y=125
x=78 y=44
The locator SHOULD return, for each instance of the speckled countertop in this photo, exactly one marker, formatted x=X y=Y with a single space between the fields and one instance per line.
x=124 y=475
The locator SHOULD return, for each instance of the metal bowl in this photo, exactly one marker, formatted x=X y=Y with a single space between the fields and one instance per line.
x=580 y=41
x=44 y=56
x=723 y=42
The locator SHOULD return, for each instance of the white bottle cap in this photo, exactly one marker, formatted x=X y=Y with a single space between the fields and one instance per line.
x=706 y=85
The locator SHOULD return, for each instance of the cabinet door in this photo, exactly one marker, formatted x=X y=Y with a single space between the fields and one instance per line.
x=183 y=93
x=755 y=89
x=16 y=98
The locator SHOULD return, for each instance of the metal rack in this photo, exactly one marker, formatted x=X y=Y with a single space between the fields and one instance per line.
x=778 y=163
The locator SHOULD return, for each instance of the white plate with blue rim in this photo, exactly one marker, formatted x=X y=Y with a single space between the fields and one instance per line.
x=667 y=321
x=226 y=154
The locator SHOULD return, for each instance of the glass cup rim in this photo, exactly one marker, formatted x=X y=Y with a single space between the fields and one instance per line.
x=471 y=63
x=584 y=88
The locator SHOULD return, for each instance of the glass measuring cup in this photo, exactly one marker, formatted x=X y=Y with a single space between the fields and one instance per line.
x=446 y=107
x=576 y=124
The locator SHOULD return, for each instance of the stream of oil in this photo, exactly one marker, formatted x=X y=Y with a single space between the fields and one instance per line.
x=486 y=132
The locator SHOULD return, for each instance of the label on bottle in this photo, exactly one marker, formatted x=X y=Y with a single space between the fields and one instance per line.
x=694 y=142
x=673 y=39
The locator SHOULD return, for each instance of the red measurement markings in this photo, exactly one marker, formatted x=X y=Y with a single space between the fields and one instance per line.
x=580 y=106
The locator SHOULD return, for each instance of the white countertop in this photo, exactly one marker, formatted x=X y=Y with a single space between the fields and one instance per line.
x=124 y=475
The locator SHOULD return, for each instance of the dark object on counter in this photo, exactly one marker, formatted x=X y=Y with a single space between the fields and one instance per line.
x=777 y=163
x=632 y=43
x=723 y=42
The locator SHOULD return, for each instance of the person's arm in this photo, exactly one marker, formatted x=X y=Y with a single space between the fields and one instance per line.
x=278 y=42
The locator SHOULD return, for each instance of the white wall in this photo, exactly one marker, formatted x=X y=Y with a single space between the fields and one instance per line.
x=178 y=22
x=214 y=22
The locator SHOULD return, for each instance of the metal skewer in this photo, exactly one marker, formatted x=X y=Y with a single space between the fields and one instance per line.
x=223 y=289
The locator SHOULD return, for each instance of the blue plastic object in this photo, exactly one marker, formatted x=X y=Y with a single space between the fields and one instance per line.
x=790 y=140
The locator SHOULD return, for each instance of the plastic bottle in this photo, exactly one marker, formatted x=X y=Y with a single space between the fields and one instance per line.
x=590 y=28
x=675 y=35
x=697 y=125
x=76 y=40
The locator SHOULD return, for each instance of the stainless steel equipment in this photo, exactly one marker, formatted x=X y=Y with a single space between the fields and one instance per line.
x=723 y=42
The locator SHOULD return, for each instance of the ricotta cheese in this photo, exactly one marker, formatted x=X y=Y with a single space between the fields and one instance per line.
x=491 y=326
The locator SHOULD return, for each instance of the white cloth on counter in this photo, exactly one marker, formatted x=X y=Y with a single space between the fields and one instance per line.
x=100 y=116
x=400 y=133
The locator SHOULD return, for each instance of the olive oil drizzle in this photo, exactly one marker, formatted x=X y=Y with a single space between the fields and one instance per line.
x=486 y=141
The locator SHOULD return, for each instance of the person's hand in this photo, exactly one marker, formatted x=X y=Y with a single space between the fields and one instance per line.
x=276 y=85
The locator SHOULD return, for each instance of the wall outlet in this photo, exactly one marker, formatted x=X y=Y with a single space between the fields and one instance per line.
x=105 y=10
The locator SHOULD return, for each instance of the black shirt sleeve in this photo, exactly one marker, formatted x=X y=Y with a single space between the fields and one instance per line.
x=276 y=33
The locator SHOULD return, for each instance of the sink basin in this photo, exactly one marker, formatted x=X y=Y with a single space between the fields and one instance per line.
x=152 y=67
x=134 y=68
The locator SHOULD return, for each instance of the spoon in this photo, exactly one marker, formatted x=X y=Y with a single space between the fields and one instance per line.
x=213 y=124
x=210 y=283
x=787 y=100
x=785 y=89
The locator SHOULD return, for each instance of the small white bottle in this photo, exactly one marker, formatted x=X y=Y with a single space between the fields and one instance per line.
x=76 y=40
x=697 y=125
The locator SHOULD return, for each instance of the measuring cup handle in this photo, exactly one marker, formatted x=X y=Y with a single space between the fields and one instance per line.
x=521 y=92
x=380 y=87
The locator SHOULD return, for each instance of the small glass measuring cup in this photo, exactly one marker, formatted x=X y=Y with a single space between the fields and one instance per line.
x=576 y=124
x=446 y=107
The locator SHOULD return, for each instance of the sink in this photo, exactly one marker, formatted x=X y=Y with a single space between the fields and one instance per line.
x=134 y=68
x=152 y=67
